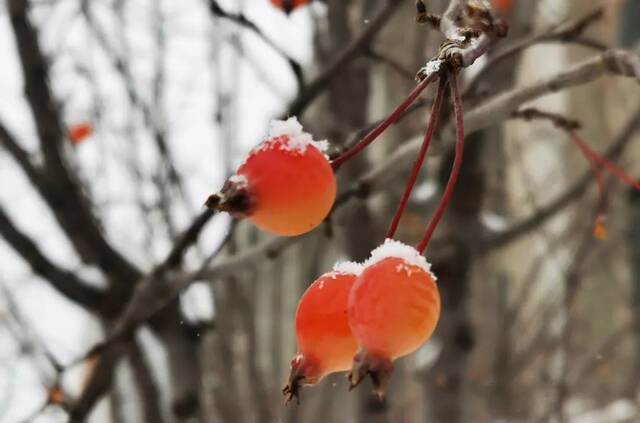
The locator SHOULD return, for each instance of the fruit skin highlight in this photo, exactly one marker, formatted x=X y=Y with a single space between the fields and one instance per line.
x=393 y=309
x=323 y=336
x=286 y=185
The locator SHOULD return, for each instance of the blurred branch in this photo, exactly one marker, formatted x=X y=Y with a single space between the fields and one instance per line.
x=556 y=119
x=61 y=188
x=615 y=62
x=64 y=281
x=343 y=59
x=575 y=191
x=146 y=388
x=151 y=293
x=593 y=359
x=243 y=21
x=26 y=336
x=569 y=32
x=21 y=156
x=32 y=345
x=633 y=242
x=393 y=64
x=151 y=117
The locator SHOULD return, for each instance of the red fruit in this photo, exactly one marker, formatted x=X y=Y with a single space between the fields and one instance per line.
x=394 y=307
x=501 y=5
x=286 y=185
x=325 y=342
x=78 y=132
x=288 y=5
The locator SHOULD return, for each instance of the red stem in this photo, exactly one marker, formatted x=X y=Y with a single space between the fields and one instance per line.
x=375 y=133
x=455 y=170
x=609 y=166
x=595 y=167
x=431 y=127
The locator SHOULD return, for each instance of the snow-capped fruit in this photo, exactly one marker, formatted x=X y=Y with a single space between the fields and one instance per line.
x=288 y=5
x=394 y=307
x=324 y=339
x=285 y=186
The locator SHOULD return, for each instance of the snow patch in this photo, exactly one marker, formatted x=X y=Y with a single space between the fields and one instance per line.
x=430 y=68
x=240 y=180
x=348 y=267
x=410 y=255
x=298 y=140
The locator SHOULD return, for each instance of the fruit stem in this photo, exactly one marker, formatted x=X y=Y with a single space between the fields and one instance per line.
x=431 y=127
x=378 y=130
x=455 y=170
x=604 y=162
x=591 y=156
x=597 y=161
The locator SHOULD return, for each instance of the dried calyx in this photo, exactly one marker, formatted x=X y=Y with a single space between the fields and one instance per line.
x=233 y=198
x=377 y=367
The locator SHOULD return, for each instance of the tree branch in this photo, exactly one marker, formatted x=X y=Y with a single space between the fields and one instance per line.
x=565 y=33
x=153 y=292
x=498 y=108
x=61 y=189
x=146 y=388
x=63 y=281
x=351 y=52
x=243 y=21
x=21 y=156
x=573 y=192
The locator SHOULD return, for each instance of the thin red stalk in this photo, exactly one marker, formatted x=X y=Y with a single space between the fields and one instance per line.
x=595 y=167
x=597 y=161
x=604 y=162
x=455 y=170
x=431 y=127
x=375 y=133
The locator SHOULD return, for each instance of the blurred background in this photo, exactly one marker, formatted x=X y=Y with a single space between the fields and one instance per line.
x=118 y=118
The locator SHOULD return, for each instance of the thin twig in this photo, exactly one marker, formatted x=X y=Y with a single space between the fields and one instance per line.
x=244 y=22
x=351 y=52
x=570 y=32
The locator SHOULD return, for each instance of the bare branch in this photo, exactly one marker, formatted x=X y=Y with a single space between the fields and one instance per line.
x=556 y=119
x=576 y=190
x=569 y=32
x=61 y=189
x=151 y=294
x=64 y=281
x=498 y=108
x=351 y=52
x=243 y=21
x=21 y=156
x=145 y=384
